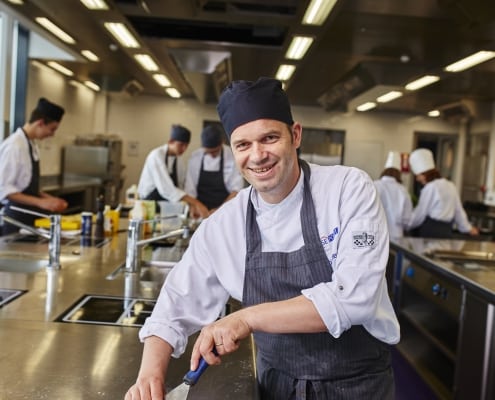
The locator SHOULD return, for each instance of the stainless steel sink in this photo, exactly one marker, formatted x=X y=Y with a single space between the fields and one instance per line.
x=22 y=262
x=28 y=263
x=109 y=310
x=7 y=295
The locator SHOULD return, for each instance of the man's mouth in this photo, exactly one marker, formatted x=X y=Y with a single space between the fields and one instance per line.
x=261 y=170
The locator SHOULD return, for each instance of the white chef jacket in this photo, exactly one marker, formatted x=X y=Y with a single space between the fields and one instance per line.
x=156 y=175
x=396 y=203
x=439 y=200
x=15 y=163
x=231 y=177
x=353 y=232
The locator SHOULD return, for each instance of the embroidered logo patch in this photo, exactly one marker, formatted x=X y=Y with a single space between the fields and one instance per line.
x=361 y=240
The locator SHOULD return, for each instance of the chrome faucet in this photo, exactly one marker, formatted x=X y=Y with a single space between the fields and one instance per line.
x=134 y=243
x=53 y=236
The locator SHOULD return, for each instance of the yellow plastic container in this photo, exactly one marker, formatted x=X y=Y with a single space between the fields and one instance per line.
x=68 y=222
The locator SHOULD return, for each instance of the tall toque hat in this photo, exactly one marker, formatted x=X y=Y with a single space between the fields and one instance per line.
x=421 y=160
x=180 y=133
x=245 y=101
x=393 y=160
x=49 y=110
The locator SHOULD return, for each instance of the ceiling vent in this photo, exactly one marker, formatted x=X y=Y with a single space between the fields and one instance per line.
x=461 y=111
x=132 y=88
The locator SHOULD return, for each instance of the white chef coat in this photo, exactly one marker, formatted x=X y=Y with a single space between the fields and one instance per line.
x=439 y=200
x=156 y=176
x=231 y=177
x=353 y=232
x=396 y=203
x=15 y=163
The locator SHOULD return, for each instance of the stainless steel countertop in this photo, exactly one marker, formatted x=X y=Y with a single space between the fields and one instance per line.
x=480 y=280
x=43 y=359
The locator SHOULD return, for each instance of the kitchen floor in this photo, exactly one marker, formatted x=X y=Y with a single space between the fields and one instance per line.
x=408 y=385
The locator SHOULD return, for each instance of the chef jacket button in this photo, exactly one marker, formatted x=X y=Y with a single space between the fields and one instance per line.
x=341 y=287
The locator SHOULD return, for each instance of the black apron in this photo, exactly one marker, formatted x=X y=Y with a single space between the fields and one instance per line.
x=32 y=189
x=155 y=195
x=211 y=186
x=315 y=365
x=433 y=228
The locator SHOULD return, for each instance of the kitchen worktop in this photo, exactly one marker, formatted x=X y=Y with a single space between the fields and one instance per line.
x=477 y=277
x=45 y=359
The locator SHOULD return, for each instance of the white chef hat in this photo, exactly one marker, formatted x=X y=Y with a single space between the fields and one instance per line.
x=421 y=160
x=393 y=160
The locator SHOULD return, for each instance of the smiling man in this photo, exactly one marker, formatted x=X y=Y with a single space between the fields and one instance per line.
x=20 y=170
x=304 y=248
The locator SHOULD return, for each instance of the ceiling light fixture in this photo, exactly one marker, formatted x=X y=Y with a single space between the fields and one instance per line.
x=50 y=26
x=122 y=34
x=392 y=95
x=60 y=68
x=422 y=82
x=298 y=47
x=19 y=2
x=146 y=62
x=318 y=11
x=285 y=71
x=433 y=113
x=90 y=55
x=366 y=106
x=95 y=4
x=471 y=61
x=161 y=79
x=92 y=85
x=173 y=92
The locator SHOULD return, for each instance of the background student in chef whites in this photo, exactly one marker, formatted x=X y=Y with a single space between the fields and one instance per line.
x=20 y=167
x=439 y=205
x=305 y=248
x=212 y=176
x=164 y=173
x=395 y=199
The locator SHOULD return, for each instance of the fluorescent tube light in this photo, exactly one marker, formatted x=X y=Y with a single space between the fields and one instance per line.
x=90 y=55
x=50 y=26
x=146 y=62
x=366 y=106
x=92 y=85
x=173 y=92
x=161 y=79
x=392 y=95
x=122 y=34
x=19 y=2
x=298 y=47
x=471 y=61
x=285 y=71
x=433 y=113
x=422 y=82
x=95 y=4
x=60 y=68
x=318 y=11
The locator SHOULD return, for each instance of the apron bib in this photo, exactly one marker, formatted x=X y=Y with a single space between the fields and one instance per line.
x=211 y=186
x=315 y=365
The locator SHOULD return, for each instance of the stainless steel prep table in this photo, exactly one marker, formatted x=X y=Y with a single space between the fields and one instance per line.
x=43 y=359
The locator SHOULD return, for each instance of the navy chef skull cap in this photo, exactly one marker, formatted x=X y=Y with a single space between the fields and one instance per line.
x=245 y=101
x=49 y=110
x=180 y=133
x=211 y=136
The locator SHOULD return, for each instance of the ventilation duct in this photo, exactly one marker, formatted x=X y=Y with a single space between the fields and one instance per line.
x=461 y=111
x=132 y=88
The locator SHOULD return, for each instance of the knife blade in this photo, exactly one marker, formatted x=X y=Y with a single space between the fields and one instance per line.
x=190 y=379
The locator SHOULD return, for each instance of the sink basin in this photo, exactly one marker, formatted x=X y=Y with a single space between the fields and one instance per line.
x=109 y=310
x=21 y=263
x=7 y=295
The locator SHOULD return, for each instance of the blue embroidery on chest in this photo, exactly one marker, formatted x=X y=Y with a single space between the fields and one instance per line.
x=330 y=237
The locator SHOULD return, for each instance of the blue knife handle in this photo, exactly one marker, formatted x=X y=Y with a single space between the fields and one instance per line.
x=192 y=377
